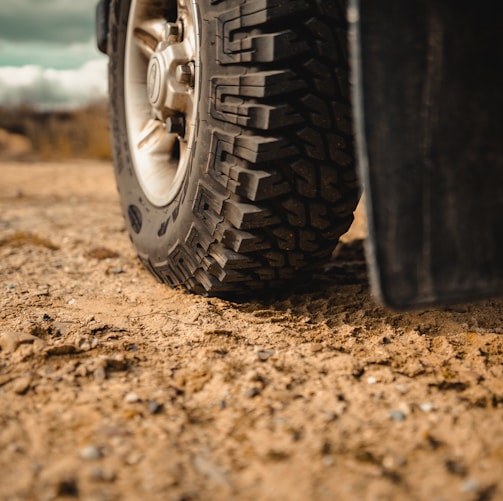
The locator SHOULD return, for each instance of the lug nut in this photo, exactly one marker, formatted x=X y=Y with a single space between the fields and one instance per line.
x=171 y=32
x=175 y=125
x=185 y=74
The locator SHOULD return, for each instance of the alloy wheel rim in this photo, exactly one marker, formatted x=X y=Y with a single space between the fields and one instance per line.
x=161 y=92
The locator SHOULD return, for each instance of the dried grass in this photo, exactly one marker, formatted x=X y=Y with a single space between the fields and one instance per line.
x=55 y=135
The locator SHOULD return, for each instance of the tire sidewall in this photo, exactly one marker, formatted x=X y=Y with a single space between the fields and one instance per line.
x=156 y=230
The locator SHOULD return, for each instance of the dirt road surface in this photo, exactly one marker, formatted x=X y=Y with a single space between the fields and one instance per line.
x=114 y=387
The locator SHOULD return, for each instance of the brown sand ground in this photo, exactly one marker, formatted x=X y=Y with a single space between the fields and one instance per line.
x=113 y=387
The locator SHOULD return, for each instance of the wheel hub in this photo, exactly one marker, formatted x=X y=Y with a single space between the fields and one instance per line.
x=155 y=85
x=170 y=80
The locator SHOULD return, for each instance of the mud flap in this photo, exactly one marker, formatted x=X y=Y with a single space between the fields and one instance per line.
x=428 y=96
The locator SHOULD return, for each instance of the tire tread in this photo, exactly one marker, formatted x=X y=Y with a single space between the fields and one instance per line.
x=279 y=184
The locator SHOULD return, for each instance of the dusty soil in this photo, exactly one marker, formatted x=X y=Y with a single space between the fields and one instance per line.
x=113 y=387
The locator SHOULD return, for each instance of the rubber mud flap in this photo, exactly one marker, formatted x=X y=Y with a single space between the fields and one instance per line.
x=429 y=118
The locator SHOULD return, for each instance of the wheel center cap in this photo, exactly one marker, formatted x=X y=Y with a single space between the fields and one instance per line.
x=155 y=80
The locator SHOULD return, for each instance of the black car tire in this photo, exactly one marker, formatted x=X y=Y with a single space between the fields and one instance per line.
x=261 y=180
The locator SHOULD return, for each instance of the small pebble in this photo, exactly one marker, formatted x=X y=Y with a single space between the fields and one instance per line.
x=371 y=380
x=426 y=407
x=131 y=398
x=22 y=385
x=154 y=407
x=85 y=346
x=330 y=416
x=397 y=415
x=71 y=301
x=15 y=448
x=404 y=407
x=134 y=458
x=470 y=485
x=90 y=452
x=132 y=414
x=252 y=392
x=63 y=328
x=391 y=462
x=102 y=475
x=81 y=371
x=402 y=388
x=264 y=355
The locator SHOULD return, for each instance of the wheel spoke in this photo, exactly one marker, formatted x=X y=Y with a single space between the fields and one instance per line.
x=154 y=138
x=179 y=96
x=148 y=35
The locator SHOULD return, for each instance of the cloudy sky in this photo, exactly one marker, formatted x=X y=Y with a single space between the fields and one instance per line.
x=48 y=55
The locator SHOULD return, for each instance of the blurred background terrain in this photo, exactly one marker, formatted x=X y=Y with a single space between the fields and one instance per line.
x=52 y=82
x=31 y=134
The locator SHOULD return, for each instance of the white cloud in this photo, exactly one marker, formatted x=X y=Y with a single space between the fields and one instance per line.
x=52 y=88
